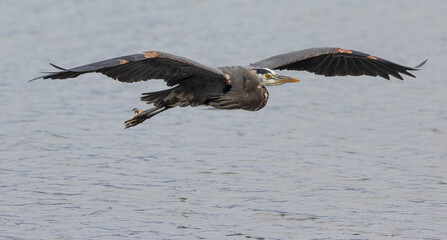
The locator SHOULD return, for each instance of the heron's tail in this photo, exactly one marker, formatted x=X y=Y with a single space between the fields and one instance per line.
x=142 y=116
x=155 y=97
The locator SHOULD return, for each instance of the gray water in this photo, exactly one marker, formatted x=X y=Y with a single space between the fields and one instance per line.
x=327 y=158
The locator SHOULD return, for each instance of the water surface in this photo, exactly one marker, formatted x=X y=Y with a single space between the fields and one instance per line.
x=327 y=158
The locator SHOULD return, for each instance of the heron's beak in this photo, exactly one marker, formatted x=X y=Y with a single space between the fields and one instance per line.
x=280 y=79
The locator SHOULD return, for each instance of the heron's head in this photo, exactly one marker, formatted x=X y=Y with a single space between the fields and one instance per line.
x=271 y=78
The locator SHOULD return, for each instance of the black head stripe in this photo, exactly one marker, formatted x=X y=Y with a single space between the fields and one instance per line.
x=263 y=71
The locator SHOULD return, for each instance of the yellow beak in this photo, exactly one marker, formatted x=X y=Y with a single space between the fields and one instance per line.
x=285 y=79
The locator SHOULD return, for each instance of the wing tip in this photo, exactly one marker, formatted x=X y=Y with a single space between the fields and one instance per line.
x=417 y=67
x=34 y=79
x=60 y=68
x=421 y=64
x=49 y=73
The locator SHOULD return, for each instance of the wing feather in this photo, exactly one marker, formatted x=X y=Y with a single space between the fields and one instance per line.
x=357 y=68
x=336 y=62
x=319 y=66
x=329 y=69
x=141 y=67
x=337 y=68
x=367 y=69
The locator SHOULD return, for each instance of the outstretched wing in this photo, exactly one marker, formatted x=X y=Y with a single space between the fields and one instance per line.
x=336 y=62
x=142 y=67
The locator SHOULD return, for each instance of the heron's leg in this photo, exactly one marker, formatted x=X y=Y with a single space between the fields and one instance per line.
x=141 y=116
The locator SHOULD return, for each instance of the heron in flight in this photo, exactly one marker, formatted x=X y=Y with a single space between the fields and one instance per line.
x=228 y=87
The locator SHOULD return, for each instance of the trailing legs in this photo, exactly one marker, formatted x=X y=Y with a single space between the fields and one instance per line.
x=141 y=116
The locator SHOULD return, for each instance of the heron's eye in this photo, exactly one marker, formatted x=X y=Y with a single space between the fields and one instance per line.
x=268 y=76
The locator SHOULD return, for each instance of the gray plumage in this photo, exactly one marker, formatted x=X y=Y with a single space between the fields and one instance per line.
x=229 y=87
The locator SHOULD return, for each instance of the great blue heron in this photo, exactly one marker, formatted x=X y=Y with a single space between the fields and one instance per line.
x=228 y=87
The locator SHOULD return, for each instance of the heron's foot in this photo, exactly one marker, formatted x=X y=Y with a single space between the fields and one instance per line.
x=137 y=119
x=137 y=111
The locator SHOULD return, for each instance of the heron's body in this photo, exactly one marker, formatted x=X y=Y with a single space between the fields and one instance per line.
x=241 y=90
x=229 y=87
